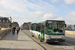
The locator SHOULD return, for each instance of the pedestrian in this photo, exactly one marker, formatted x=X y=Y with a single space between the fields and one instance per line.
x=0 y=27
x=13 y=30
x=17 y=28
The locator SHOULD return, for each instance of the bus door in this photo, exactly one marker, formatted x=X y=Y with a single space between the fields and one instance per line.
x=42 y=31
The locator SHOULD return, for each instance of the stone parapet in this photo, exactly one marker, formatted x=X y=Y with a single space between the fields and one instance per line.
x=4 y=32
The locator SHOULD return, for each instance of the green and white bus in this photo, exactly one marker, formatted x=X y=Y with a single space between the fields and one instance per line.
x=49 y=30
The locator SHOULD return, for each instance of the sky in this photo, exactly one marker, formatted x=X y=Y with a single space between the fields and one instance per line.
x=35 y=10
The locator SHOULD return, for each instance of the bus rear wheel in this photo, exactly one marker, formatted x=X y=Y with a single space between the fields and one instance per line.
x=32 y=34
x=41 y=39
x=38 y=36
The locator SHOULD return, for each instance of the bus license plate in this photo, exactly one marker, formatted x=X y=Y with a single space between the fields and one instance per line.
x=56 y=36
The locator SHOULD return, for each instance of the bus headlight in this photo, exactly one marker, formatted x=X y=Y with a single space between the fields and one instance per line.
x=47 y=37
x=63 y=37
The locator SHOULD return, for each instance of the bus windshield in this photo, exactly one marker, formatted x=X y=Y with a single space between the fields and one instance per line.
x=56 y=28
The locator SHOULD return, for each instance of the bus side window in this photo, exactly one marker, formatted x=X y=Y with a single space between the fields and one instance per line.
x=31 y=27
x=42 y=28
x=38 y=27
x=34 y=27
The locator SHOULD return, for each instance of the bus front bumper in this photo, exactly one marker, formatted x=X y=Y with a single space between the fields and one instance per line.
x=55 y=40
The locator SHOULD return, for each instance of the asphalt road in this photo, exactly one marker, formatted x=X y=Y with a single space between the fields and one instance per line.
x=69 y=44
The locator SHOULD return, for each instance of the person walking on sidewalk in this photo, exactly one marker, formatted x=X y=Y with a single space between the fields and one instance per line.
x=0 y=27
x=13 y=30
x=17 y=28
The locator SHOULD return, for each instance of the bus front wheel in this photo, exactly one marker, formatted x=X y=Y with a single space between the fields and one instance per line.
x=45 y=40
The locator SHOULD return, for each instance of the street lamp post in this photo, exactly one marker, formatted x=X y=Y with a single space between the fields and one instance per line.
x=10 y=22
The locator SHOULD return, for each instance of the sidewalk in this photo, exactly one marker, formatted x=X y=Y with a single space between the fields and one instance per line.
x=18 y=42
x=70 y=35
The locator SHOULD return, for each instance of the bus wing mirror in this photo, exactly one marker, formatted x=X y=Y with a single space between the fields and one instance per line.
x=46 y=25
x=65 y=25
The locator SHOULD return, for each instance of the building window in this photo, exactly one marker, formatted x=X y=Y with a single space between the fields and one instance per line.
x=6 y=25
x=0 y=23
x=3 y=20
x=7 y=20
x=0 y=20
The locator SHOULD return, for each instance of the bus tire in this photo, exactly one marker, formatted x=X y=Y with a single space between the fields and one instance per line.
x=45 y=40
x=38 y=36
x=41 y=39
x=32 y=34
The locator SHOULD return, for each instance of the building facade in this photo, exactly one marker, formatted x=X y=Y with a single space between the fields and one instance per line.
x=15 y=24
x=70 y=27
x=4 y=22
x=26 y=25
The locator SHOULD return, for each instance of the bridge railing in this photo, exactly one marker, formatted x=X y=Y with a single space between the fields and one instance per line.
x=3 y=32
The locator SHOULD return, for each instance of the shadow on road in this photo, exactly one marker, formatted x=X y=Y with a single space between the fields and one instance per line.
x=15 y=49
x=57 y=43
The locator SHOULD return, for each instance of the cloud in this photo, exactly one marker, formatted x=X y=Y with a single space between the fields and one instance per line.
x=13 y=5
x=70 y=18
x=73 y=13
x=55 y=0
x=69 y=1
x=50 y=16
x=21 y=6
x=25 y=10
x=35 y=16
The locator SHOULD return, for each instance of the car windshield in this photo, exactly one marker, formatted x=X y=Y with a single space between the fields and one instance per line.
x=56 y=28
